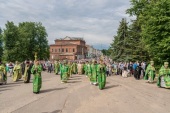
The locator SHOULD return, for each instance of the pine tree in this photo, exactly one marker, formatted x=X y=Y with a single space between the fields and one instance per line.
x=120 y=46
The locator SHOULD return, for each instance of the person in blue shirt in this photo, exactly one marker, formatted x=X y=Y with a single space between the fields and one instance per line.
x=134 y=67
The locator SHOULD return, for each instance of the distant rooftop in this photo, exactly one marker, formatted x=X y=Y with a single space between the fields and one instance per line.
x=71 y=38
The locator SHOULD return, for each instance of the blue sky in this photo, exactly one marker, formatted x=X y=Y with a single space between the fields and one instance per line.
x=94 y=20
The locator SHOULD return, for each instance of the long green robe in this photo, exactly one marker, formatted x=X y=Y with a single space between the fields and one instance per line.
x=69 y=70
x=64 y=71
x=89 y=71
x=37 y=81
x=165 y=73
x=93 y=77
x=61 y=71
x=150 y=73
x=74 y=68
x=85 y=69
x=17 y=72
x=27 y=73
x=3 y=75
x=101 y=73
x=56 y=67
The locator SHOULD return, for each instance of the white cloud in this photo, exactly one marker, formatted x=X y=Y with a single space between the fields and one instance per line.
x=95 y=20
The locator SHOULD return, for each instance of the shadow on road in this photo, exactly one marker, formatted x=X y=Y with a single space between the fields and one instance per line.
x=18 y=82
x=4 y=89
x=7 y=85
x=74 y=78
x=49 y=90
x=56 y=111
x=112 y=86
x=74 y=81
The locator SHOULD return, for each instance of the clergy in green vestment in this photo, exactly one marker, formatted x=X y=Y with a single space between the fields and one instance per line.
x=86 y=68
x=101 y=73
x=164 y=76
x=61 y=64
x=69 y=69
x=3 y=74
x=93 y=78
x=64 y=71
x=17 y=71
x=56 y=67
x=37 y=80
x=89 y=70
x=150 y=72
x=74 y=68
x=27 y=72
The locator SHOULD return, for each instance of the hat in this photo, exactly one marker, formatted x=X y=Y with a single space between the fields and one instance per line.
x=152 y=62
x=166 y=63
x=93 y=60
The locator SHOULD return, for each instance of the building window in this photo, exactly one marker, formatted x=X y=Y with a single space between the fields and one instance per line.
x=52 y=50
x=66 y=50
x=58 y=50
x=73 y=50
x=62 y=50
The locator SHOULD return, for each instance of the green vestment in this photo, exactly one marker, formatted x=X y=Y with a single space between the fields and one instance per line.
x=61 y=71
x=93 y=77
x=74 y=68
x=3 y=74
x=56 y=67
x=17 y=72
x=64 y=71
x=27 y=73
x=69 y=70
x=150 y=73
x=101 y=73
x=37 y=81
x=85 y=69
x=165 y=73
x=89 y=71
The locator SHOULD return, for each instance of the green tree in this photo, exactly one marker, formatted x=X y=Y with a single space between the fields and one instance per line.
x=138 y=50
x=106 y=52
x=41 y=41
x=1 y=44
x=121 y=46
x=155 y=29
x=34 y=38
x=22 y=41
x=10 y=38
x=153 y=17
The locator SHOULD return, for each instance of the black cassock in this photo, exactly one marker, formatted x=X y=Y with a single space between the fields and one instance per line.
x=138 y=72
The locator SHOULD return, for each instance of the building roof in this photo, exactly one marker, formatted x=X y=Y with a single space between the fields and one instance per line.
x=63 y=44
x=71 y=38
x=90 y=46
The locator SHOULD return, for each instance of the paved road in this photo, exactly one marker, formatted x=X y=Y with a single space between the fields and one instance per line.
x=121 y=95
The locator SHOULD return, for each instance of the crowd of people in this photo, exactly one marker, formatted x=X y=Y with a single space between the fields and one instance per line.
x=95 y=70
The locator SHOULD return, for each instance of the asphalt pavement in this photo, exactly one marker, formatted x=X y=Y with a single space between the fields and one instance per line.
x=121 y=95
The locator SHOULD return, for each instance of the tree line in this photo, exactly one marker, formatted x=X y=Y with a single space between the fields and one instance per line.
x=20 y=42
x=145 y=38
